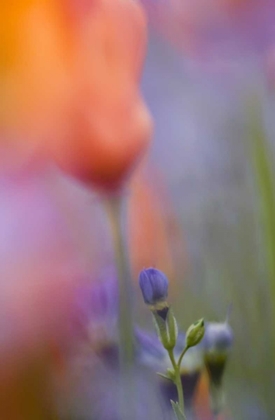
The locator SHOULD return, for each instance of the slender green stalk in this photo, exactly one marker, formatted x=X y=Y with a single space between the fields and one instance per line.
x=114 y=207
x=181 y=356
x=264 y=175
x=177 y=380
x=265 y=180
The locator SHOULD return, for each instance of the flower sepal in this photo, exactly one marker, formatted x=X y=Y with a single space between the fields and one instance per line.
x=166 y=326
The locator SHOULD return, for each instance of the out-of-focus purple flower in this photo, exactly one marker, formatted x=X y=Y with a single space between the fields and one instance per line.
x=217 y=344
x=149 y=350
x=97 y=309
x=94 y=392
x=103 y=299
x=154 y=286
x=218 y=338
x=93 y=382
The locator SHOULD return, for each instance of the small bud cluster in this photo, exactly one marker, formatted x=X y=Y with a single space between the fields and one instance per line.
x=216 y=342
x=154 y=288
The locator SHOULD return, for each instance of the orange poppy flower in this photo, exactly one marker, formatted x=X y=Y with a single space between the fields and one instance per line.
x=69 y=84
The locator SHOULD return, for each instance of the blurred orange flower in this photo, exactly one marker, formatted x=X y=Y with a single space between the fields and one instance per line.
x=69 y=84
x=34 y=73
x=154 y=233
x=202 y=407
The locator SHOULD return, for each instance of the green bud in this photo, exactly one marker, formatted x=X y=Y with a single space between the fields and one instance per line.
x=195 y=333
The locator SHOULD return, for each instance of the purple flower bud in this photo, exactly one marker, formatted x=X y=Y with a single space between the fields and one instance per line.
x=218 y=337
x=154 y=286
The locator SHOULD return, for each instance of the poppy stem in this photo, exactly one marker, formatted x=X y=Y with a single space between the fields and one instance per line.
x=114 y=205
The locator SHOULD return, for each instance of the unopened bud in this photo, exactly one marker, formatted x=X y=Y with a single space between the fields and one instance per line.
x=195 y=333
x=154 y=286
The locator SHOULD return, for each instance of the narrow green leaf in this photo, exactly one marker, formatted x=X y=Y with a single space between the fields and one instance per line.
x=177 y=411
x=162 y=375
x=170 y=374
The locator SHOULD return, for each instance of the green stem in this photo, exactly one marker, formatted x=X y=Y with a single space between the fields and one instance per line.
x=125 y=318
x=177 y=380
x=181 y=356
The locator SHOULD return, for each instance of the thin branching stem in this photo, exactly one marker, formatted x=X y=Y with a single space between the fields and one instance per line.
x=178 y=382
